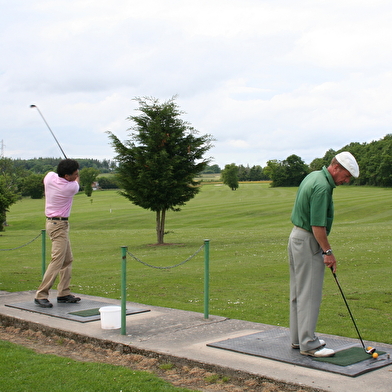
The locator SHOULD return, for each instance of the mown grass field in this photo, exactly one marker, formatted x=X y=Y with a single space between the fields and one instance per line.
x=25 y=370
x=248 y=231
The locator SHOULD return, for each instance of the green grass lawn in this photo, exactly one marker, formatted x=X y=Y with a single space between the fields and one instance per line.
x=24 y=370
x=248 y=231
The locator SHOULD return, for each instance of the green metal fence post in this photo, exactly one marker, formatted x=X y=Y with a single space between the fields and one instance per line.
x=206 y=277
x=43 y=252
x=123 y=289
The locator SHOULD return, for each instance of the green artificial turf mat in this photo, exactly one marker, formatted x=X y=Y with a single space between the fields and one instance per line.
x=348 y=357
x=86 y=312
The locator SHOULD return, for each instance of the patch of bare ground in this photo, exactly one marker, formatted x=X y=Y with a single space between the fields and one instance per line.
x=194 y=378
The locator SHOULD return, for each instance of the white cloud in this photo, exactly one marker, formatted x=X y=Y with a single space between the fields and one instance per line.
x=266 y=78
x=240 y=144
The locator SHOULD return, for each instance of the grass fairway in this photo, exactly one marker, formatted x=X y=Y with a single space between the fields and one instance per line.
x=248 y=231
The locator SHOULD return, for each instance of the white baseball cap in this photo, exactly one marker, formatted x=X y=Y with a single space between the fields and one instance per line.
x=347 y=160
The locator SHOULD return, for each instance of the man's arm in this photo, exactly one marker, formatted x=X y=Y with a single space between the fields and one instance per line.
x=320 y=233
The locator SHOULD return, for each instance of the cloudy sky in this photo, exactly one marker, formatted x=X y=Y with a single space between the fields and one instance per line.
x=266 y=78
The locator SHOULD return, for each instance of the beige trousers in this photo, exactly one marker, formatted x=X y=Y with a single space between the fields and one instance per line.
x=61 y=262
x=306 y=287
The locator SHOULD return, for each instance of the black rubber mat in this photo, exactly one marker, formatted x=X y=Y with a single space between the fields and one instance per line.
x=275 y=344
x=67 y=311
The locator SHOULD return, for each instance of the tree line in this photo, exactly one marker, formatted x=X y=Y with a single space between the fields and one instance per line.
x=374 y=160
x=44 y=165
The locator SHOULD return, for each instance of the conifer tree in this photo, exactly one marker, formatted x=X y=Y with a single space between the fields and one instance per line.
x=157 y=166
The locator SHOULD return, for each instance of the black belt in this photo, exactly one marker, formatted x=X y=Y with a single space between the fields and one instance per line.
x=57 y=218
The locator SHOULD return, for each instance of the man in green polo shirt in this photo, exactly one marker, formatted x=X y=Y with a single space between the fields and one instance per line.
x=310 y=251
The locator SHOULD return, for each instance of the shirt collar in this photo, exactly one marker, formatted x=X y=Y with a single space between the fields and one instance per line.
x=329 y=177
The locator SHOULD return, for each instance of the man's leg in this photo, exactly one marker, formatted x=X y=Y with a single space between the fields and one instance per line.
x=65 y=273
x=58 y=233
x=293 y=295
x=307 y=269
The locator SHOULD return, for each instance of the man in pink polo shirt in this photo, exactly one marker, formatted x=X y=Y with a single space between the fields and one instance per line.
x=60 y=188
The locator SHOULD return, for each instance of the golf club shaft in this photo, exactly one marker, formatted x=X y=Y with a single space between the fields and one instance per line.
x=43 y=118
x=348 y=308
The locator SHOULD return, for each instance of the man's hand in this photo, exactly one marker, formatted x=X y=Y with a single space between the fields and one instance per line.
x=330 y=262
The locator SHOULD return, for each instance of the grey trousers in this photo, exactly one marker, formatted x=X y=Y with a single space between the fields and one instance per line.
x=61 y=263
x=306 y=285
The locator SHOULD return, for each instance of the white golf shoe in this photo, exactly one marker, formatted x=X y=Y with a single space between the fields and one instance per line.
x=296 y=346
x=320 y=352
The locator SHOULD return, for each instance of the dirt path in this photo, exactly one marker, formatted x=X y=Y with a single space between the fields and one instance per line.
x=194 y=378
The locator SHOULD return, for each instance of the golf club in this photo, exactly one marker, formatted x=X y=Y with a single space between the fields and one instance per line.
x=369 y=350
x=43 y=118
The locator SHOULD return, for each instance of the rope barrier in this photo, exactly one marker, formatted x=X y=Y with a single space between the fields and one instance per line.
x=124 y=251
x=169 y=267
x=18 y=247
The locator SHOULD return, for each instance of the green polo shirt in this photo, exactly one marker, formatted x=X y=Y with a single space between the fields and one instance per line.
x=313 y=205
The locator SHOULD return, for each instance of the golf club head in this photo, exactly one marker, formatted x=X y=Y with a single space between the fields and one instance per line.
x=370 y=350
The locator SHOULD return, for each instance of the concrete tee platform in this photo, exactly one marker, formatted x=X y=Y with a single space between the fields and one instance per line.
x=182 y=337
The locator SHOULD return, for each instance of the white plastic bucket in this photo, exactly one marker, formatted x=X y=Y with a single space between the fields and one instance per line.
x=110 y=317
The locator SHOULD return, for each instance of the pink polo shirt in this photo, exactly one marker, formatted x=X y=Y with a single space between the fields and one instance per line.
x=59 y=195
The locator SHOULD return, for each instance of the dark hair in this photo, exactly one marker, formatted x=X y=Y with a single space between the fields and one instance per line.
x=67 y=166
